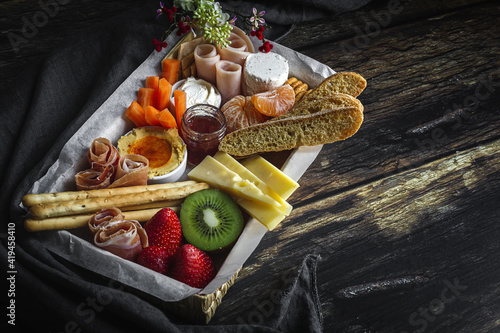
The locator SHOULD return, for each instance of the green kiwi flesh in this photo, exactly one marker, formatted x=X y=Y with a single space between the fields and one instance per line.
x=210 y=220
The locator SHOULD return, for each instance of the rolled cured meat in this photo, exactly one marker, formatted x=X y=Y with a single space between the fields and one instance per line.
x=125 y=238
x=245 y=37
x=236 y=51
x=205 y=57
x=103 y=216
x=131 y=170
x=228 y=77
x=102 y=153
x=96 y=178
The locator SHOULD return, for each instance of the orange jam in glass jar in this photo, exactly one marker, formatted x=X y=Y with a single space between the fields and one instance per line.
x=203 y=127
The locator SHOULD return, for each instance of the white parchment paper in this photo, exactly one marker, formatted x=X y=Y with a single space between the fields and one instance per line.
x=109 y=121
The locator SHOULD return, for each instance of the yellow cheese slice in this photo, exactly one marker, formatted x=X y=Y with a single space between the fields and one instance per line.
x=235 y=166
x=217 y=175
x=271 y=175
x=268 y=215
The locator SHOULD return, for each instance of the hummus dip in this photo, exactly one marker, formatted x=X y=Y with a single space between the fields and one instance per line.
x=163 y=148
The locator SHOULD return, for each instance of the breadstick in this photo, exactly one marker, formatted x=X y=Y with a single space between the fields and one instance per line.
x=92 y=205
x=43 y=198
x=155 y=204
x=80 y=221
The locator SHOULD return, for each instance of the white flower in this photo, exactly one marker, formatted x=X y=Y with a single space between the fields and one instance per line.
x=223 y=16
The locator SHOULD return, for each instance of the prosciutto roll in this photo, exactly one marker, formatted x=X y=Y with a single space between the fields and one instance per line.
x=131 y=170
x=125 y=238
x=236 y=51
x=93 y=179
x=228 y=76
x=103 y=216
x=102 y=153
x=205 y=57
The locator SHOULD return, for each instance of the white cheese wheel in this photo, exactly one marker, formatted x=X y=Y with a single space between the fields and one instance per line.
x=264 y=72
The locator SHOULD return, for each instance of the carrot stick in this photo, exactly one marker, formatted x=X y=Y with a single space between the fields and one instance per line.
x=170 y=69
x=147 y=96
x=180 y=105
x=164 y=92
x=152 y=82
x=166 y=119
x=135 y=112
x=151 y=114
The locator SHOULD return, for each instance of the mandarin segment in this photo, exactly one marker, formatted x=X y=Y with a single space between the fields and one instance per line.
x=240 y=113
x=275 y=102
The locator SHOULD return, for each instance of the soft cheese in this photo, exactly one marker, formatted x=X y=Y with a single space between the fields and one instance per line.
x=264 y=72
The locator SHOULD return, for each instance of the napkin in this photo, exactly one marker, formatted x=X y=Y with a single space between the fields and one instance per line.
x=46 y=104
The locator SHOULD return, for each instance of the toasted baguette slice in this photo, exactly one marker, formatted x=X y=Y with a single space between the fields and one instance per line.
x=317 y=105
x=314 y=129
x=342 y=82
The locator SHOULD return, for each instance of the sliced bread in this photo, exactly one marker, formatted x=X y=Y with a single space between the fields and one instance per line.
x=335 y=100
x=326 y=126
x=349 y=83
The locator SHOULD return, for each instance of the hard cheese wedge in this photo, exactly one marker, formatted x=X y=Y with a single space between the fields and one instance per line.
x=217 y=175
x=268 y=215
x=235 y=166
x=271 y=175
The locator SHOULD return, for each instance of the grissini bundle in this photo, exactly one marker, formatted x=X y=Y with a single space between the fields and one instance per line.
x=43 y=198
x=80 y=221
x=92 y=205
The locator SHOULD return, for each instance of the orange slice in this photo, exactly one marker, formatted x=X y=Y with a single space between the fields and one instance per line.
x=275 y=102
x=240 y=113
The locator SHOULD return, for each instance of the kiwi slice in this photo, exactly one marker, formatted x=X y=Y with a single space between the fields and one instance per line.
x=210 y=220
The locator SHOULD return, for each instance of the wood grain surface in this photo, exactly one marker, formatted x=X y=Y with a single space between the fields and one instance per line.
x=410 y=202
x=405 y=213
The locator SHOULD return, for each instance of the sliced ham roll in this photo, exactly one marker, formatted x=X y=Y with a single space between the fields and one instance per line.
x=125 y=238
x=245 y=37
x=228 y=77
x=103 y=216
x=93 y=179
x=131 y=170
x=102 y=153
x=205 y=57
x=236 y=51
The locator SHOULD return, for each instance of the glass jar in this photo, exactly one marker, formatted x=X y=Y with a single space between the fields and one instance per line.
x=203 y=127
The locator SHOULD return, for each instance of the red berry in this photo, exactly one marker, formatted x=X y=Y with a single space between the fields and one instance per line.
x=164 y=229
x=155 y=258
x=192 y=267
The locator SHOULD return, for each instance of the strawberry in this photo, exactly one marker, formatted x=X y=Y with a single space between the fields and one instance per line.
x=192 y=267
x=155 y=258
x=164 y=229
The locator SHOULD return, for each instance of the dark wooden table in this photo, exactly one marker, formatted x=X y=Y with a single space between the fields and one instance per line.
x=405 y=213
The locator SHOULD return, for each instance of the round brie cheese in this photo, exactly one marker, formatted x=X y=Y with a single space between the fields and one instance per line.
x=264 y=72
